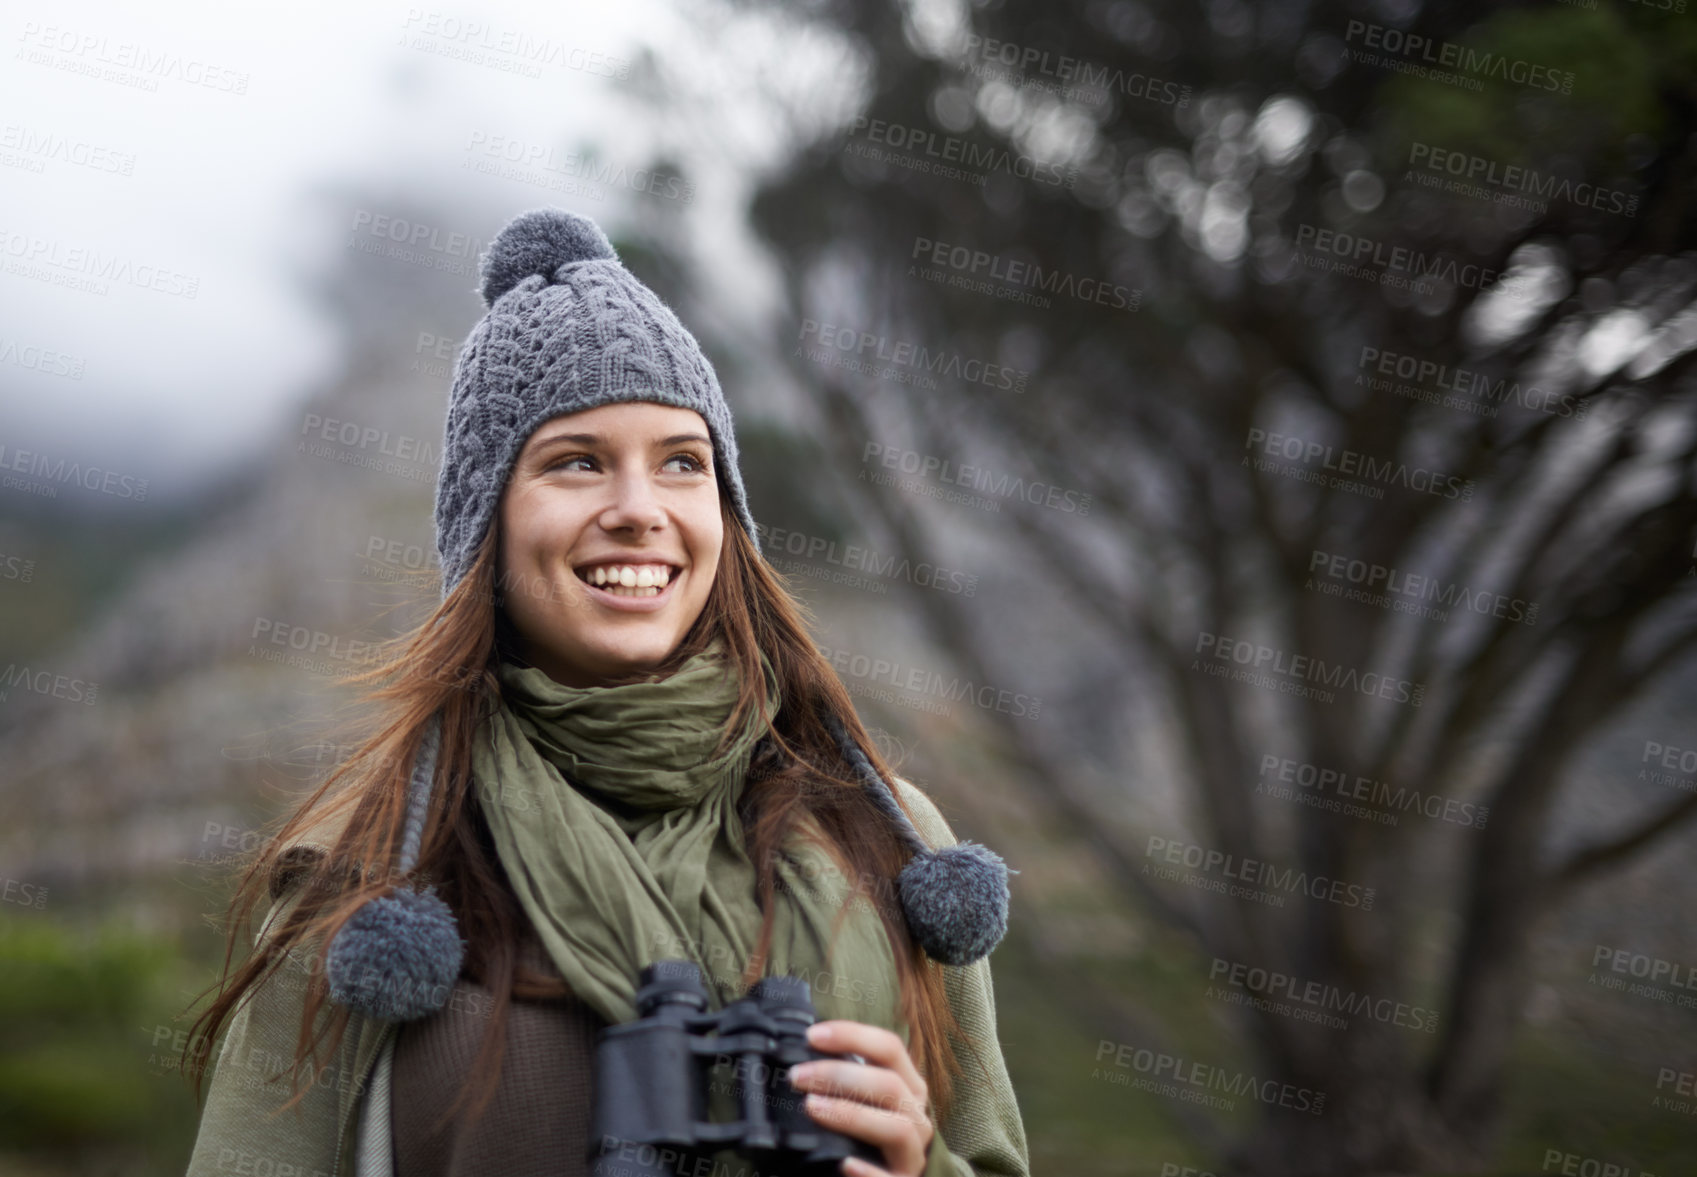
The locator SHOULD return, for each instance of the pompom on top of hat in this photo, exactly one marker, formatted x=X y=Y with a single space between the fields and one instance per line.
x=540 y=242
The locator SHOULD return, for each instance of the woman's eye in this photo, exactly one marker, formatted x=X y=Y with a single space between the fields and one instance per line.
x=692 y=463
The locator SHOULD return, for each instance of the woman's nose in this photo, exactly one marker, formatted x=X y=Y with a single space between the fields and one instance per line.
x=635 y=505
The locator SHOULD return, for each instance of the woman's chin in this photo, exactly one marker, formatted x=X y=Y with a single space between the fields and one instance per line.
x=604 y=663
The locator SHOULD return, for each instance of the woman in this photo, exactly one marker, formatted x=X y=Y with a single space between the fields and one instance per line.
x=612 y=743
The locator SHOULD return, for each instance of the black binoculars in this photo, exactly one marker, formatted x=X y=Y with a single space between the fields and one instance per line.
x=653 y=1075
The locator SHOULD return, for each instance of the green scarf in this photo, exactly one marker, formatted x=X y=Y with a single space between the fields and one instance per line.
x=618 y=830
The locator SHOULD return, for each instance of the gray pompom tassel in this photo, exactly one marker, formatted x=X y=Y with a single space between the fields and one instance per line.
x=955 y=899
x=397 y=958
x=539 y=242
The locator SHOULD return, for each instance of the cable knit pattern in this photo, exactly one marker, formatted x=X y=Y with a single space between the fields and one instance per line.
x=580 y=333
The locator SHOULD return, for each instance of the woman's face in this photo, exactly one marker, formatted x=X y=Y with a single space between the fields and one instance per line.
x=619 y=493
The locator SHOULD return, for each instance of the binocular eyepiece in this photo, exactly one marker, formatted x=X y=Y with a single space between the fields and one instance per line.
x=653 y=1077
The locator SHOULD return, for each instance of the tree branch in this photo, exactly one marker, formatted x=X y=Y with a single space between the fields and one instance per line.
x=1583 y=865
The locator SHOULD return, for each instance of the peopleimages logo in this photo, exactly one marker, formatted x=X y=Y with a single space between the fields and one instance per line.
x=920 y=681
x=305 y=646
x=86 y=53
x=1326 y=999
x=37 y=148
x=1381 y=799
x=924 y=574
x=1670 y=1083
x=1256 y=873
x=415 y=233
x=1356 y=255
x=23 y=570
x=952 y=149
x=34 y=464
x=367 y=446
x=977 y=263
x=1354 y=464
x=437 y=352
x=493 y=152
x=1398 y=590
x=1073 y=79
x=981 y=478
x=903 y=361
x=1424 y=52
x=1645 y=967
x=1478 y=170
x=1681 y=764
x=1574 y=1164
x=45 y=682
x=41 y=359
x=510 y=49
x=87 y=267
x=22 y=893
x=1381 y=370
x=1192 y=1081
x=1216 y=652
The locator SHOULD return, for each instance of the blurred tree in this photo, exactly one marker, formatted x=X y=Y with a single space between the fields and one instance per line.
x=1319 y=209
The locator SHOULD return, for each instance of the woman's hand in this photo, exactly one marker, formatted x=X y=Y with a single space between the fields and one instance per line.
x=881 y=1101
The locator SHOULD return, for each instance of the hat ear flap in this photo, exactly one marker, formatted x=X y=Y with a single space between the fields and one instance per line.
x=397 y=958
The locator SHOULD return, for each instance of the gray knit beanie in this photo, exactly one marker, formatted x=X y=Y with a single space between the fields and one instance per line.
x=569 y=328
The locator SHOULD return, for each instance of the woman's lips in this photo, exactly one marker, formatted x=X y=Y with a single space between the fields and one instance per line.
x=634 y=600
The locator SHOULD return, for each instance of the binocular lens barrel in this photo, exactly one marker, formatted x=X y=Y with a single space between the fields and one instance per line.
x=653 y=1076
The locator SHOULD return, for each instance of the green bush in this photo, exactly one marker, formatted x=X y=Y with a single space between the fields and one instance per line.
x=88 y=1046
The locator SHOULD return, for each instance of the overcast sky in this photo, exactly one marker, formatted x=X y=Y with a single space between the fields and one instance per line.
x=179 y=143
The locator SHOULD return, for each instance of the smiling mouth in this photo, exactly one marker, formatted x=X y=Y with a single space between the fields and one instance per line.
x=629 y=580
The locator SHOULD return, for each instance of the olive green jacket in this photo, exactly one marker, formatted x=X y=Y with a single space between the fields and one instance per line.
x=340 y=1127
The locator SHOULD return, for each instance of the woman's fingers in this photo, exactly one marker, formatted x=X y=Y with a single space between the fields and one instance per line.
x=882 y=1101
x=897 y=1138
x=879 y=1087
x=875 y=1044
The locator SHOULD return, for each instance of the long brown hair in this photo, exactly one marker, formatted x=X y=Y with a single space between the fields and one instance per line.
x=448 y=665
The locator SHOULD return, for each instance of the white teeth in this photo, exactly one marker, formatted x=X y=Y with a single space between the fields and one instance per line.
x=627 y=580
